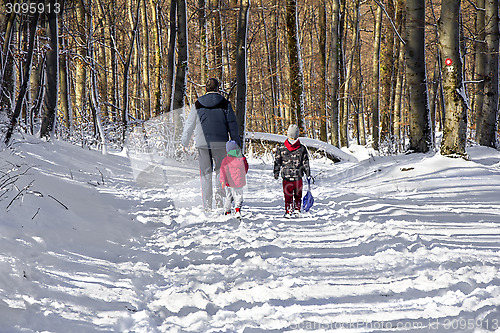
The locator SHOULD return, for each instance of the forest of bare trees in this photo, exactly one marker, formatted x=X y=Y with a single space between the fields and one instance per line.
x=398 y=75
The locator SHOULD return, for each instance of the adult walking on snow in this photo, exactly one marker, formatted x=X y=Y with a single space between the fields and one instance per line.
x=213 y=120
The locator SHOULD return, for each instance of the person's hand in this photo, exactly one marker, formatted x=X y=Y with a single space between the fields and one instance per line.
x=276 y=176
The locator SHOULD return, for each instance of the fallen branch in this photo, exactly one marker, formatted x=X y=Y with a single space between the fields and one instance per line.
x=19 y=194
x=50 y=196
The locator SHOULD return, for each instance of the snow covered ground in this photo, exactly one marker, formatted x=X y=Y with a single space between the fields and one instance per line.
x=99 y=243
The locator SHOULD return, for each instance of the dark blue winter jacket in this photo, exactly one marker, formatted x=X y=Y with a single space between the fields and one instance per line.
x=211 y=118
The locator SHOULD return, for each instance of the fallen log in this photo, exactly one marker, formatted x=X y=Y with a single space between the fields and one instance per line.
x=331 y=152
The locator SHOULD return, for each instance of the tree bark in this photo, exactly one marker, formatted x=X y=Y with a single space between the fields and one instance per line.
x=157 y=56
x=171 y=56
x=270 y=40
x=52 y=74
x=202 y=21
x=126 y=68
x=480 y=60
x=296 y=71
x=335 y=59
x=375 y=101
x=455 y=126
x=387 y=60
x=145 y=62
x=419 y=118
x=7 y=66
x=81 y=65
x=487 y=118
x=26 y=76
x=64 y=86
x=217 y=40
x=181 y=68
x=398 y=97
x=323 y=113
x=102 y=55
x=241 y=69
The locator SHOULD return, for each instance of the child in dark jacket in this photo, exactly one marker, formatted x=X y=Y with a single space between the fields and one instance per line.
x=232 y=177
x=292 y=159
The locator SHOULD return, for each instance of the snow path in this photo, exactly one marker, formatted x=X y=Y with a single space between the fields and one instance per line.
x=408 y=243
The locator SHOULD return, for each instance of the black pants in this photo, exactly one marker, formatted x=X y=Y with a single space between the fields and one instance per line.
x=210 y=160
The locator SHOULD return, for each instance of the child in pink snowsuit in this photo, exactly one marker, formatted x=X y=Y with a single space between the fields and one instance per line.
x=233 y=172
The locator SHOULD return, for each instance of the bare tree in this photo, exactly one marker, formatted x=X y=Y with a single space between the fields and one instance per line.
x=81 y=58
x=322 y=77
x=182 y=66
x=145 y=61
x=487 y=118
x=241 y=68
x=171 y=56
x=52 y=73
x=26 y=76
x=335 y=59
x=375 y=101
x=202 y=21
x=419 y=117
x=126 y=68
x=157 y=56
x=7 y=67
x=480 y=59
x=296 y=72
x=455 y=126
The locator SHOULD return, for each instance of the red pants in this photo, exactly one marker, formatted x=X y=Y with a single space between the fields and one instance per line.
x=292 y=192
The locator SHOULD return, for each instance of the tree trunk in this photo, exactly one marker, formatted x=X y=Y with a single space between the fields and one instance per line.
x=420 y=130
x=335 y=59
x=81 y=66
x=344 y=123
x=7 y=67
x=241 y=69
x=360 y=94
x=480 y=61
x=171 y=56
x=455 y=126
x=26 y=76
x=134 y=100
x=323 y=113
x=217 y=41
x=64 y=86
x=126 y=68
x=145 y=62
x=487 y=119
x=52 y=74
x=398 y=94
x=375 y=102
x=157 y=57
x=296 y=71
x=387 y=59
x=113 y=90
x=182 y=67
x=102 y=53
x=270 y=40
x=202 y=21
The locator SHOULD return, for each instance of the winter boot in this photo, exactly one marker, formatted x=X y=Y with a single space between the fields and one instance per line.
x=238 y=213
